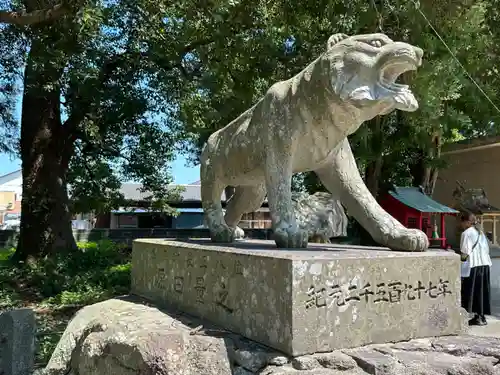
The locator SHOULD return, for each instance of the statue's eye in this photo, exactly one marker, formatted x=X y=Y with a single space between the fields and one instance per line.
x=376 y=43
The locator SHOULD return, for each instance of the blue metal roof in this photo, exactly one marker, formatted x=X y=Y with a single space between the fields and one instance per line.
x=131 y=210
x=415 y=198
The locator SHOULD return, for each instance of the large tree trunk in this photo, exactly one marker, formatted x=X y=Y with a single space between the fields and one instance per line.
x=425 y=175
x=373 y=173
x=418 y=169
x=373 y=170
x=228 y=192
x=432 y=172
x=46 y=149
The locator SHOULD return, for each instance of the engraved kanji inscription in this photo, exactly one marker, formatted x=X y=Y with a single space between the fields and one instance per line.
x=432 y=291
x=315 y=297
x=410 y=292
x=366 y=292
x=353 y=294
x=334 y=294
x=381 y=293
x=189 y=260
x=179 y=284
x=238 y=268
x=159 y=280
x=204 y=261
x=419 y=289
x=220 y=265
x=200 y=289
x=221 y=299
x=395 y=291
x=443 y=287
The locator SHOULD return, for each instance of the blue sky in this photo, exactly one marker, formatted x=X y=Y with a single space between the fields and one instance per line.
x=181 y=173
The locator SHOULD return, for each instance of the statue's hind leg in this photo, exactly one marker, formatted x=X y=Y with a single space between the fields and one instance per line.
x=211 y=192
x=245 y=199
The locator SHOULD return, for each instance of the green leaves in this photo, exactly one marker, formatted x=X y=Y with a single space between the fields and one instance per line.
x=139 y=77
x=236 y=69
x=117 y=67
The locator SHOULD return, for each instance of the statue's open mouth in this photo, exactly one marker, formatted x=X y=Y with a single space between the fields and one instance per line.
x=380 y=85
x=393 y=69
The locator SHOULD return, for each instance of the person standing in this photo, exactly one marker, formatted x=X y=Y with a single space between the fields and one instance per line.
x=476 y=263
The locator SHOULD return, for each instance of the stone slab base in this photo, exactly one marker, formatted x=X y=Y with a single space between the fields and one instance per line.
x=17 y=342
x=127 y=336
x=299 y=302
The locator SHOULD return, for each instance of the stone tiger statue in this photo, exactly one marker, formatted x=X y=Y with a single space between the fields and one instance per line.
x=302 y=124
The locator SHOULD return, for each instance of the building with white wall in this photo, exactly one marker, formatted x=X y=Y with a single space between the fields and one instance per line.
x=11 y=190
x=190 y=212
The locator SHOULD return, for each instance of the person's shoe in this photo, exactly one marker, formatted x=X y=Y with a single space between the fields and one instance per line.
x=477 y=321
x=483 y=320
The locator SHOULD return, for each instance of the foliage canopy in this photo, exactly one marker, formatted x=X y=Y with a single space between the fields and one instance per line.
x=110 y=89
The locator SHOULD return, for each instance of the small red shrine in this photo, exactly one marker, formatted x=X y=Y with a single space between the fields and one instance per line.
x=415 y=209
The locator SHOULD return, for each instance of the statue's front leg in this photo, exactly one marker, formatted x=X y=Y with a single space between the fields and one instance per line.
x=286 y=232
x=342 y=178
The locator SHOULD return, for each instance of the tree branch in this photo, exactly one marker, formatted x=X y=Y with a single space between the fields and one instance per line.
x=109 y=67
x=23 y=18
x=84 y=106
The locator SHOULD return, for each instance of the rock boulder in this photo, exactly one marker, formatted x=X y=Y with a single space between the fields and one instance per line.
x=127 y=336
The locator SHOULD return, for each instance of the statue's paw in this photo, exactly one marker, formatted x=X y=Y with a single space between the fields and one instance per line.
x=319 y=238
x=291 y=239
x=239 y=233
x=222 y=234
x=408 y=240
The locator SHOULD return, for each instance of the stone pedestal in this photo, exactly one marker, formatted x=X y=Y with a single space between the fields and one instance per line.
x=304 y=301
x=17 y=342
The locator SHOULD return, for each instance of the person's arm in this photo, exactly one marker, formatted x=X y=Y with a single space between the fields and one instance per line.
x=465 y=242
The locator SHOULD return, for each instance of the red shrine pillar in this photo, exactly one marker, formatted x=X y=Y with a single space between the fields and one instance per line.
x=443 y=233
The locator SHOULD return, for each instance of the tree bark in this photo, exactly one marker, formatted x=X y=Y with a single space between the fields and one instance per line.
x=373 y=170
x=425 y=175
x=418 y=169
x=46 y=150
x=435 y=154
x=24 y=18
x=373 y=174
x=228 y=192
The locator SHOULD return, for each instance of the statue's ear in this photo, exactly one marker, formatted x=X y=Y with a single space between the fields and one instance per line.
x=334 y=39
